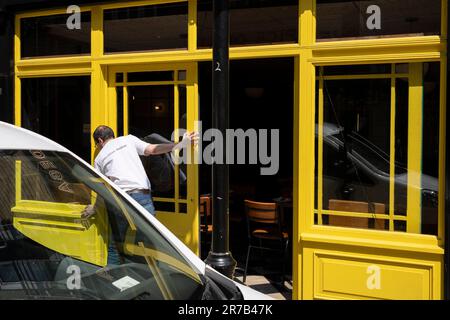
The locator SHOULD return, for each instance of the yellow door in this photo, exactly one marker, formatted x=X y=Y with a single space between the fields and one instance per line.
x=157 y=104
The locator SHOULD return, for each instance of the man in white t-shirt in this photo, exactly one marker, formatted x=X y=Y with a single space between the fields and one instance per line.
x=118 y=159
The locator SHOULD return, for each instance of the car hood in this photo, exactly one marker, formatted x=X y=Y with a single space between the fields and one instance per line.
x=13 y=137
x=428 y=182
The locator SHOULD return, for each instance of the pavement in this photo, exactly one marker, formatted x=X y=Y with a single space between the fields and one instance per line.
x=264 y=272
x=267 y=286
x=266 y=279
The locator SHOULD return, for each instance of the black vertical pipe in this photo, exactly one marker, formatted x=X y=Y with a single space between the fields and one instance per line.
x=447 y=186
x=220 y=257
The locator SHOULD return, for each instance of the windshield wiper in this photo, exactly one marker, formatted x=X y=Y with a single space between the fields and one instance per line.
x=219 y=288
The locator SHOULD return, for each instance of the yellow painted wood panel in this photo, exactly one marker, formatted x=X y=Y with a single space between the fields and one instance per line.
x=364 y=278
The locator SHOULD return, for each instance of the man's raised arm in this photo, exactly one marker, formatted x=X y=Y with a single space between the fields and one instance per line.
x=155 y=149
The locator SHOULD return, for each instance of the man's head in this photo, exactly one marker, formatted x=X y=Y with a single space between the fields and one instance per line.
x=102 y=135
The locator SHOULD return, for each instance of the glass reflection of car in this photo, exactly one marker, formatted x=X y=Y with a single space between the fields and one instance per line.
x=48 y=251
x=354 y=168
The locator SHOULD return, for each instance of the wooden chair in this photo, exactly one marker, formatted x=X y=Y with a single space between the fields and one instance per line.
x=264 y=228
x=205 y=219
x=355 y=206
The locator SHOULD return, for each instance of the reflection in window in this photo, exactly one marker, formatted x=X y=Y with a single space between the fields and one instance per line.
x=344 y=18
x=59 y=108
x=430 y=147
x=50 y=36
x=401 y=146
x=151 y=118
x=153 y=27
x=355 y=143
x=252 y=22
x=358 y=180
x=182 y=124
x=151 y=110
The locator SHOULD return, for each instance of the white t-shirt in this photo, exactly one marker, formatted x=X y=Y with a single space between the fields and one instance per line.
x=119 y=161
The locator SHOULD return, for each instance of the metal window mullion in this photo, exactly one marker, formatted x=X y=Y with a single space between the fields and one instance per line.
x=415 y=127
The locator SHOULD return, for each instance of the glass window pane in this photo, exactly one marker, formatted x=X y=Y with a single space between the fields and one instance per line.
x=119 y=92
x=430 y=148
x=165 y=206
x=153 y=27
x=376 y=18
x=150 y=76
x=59 y=108
x=119 y=77
x=151 y=118
x=401 y=145
x=50 y=36
x=183 y=208
x=182 y=103
x=357 y=69
x=356 y=173
x=182 y=75
x=42 y=239
x=402 y=68
x=252 y=22
x=356 y=149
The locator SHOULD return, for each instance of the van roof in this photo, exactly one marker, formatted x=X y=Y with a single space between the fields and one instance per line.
x=16 y=138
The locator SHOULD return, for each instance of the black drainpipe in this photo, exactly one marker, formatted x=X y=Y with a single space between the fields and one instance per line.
x=220 y=257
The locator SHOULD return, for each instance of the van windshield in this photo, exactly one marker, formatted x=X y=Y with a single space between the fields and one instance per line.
x=48 y=250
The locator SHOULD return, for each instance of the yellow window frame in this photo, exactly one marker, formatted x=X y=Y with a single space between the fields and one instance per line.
x=413 y=216
x=176 y=200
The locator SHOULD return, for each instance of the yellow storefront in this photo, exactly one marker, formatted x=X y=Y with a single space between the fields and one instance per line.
x=353 y=238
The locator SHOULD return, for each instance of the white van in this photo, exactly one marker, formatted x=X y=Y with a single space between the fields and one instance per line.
x=48 y=251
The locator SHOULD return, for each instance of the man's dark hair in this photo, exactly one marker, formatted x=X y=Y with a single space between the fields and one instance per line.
x=103 y=132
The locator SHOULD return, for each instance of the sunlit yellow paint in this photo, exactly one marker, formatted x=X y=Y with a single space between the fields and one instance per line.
x=320 y=149
x=344 y=276
x=192 y=26
x=392 y=152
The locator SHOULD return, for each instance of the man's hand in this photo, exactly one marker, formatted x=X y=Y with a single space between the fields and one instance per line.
x=189 y=138
x=88 y=212
x=192 y=137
